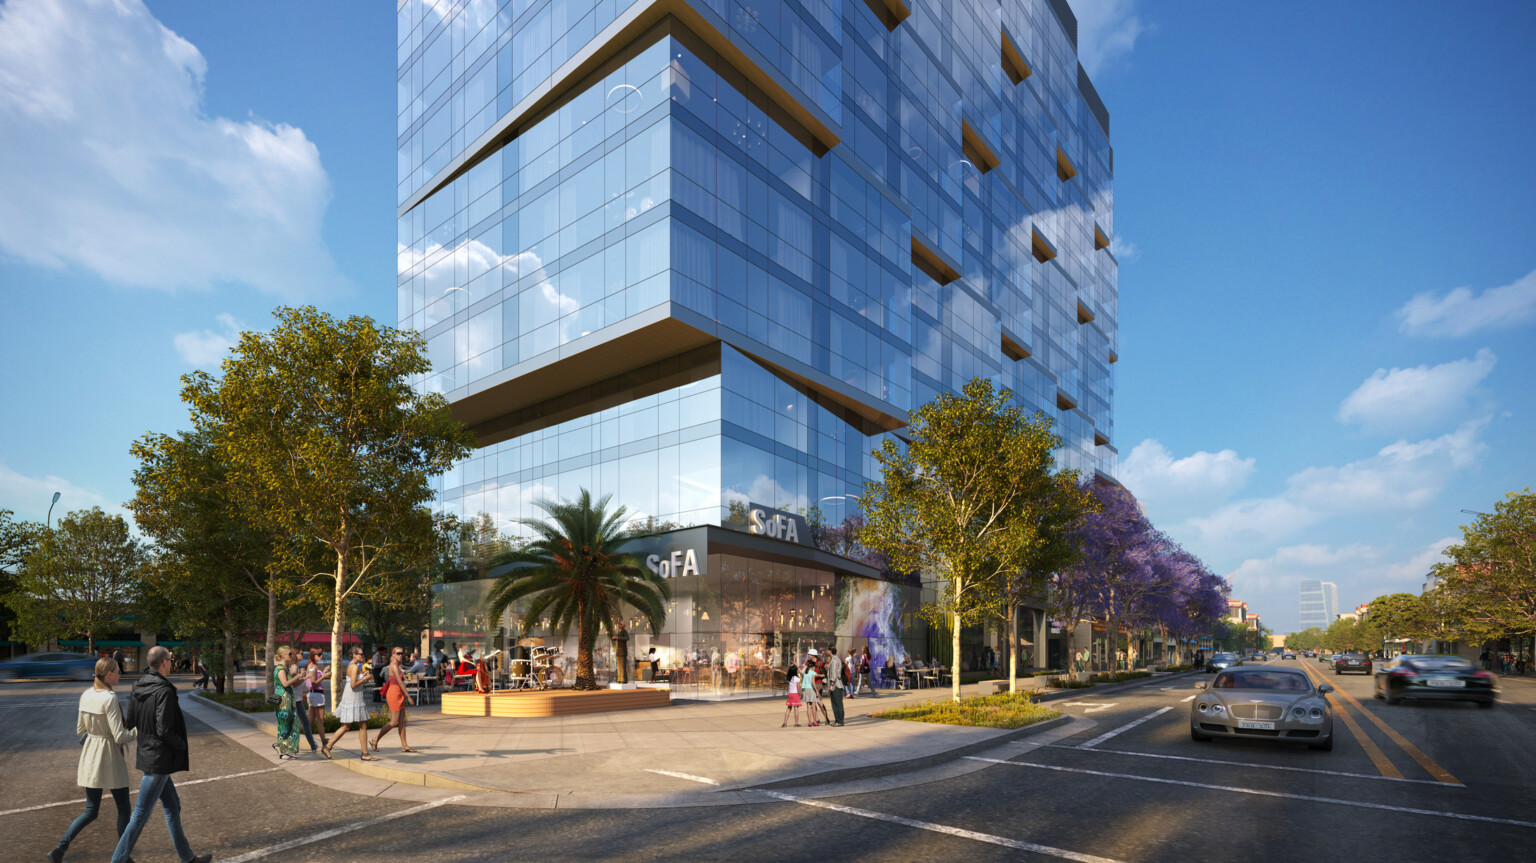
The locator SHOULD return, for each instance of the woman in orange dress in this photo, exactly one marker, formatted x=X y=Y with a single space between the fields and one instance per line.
x=396 y=697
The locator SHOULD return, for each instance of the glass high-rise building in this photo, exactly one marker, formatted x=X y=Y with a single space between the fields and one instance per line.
x=704 y=255
x=1319 y=603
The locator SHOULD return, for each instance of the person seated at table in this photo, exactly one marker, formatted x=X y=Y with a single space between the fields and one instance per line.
x=414 y=664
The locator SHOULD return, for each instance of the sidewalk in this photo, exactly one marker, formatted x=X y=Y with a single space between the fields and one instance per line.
x=630 y=759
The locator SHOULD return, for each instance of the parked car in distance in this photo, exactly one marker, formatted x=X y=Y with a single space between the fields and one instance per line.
x=73 y=666
x=1326 y=658
x=1352 y=662
x=1435 y=676
x=1258 y=657
x=1275 y=702
x=1222 y=661
x=1287 y=656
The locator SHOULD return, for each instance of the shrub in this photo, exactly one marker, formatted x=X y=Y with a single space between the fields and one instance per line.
x=1067 y=683
x=248 y=701
x=1007 y=710
x=376 y=719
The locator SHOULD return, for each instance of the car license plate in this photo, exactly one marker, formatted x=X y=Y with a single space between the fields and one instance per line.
x=1249 y=723
x=1448 y=684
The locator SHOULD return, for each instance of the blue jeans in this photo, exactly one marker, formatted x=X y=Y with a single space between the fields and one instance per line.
x=156 y=786
x=303 y=709
x=93 y=808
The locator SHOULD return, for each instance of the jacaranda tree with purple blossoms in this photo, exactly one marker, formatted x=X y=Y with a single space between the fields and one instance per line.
x=1119 y=546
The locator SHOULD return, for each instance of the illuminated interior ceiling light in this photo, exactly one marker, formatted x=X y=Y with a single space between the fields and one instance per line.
x=629 y=90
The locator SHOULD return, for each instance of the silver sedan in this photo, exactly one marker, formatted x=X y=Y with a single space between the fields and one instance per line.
x=1274 y=703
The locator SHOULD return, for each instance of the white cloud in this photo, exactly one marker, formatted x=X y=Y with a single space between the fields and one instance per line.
x=109 y=163
x=1172 y=486
x=1398 y=399
x=206 y=347
x=1124 y=250
x=1106 y=31
x=29 y=497
x=1271 y=585
x=1402 y=475
x=1459 y=313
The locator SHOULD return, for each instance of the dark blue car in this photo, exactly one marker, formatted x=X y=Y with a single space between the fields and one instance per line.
x=74 y=666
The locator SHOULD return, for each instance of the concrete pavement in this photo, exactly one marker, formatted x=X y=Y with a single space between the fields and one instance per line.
x=644 y=758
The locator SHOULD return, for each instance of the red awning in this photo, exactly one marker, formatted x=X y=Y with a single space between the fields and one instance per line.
x=319 y=638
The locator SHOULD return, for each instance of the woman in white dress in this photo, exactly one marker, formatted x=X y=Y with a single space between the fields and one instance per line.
x=351 y=710
x=102 y=765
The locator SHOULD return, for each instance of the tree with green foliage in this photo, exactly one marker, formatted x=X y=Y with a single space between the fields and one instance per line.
x=1057 y=517
x=1310 y=638
x=324 y=440
x=1346 y=635
x=1393 y=617
x=219 y=574
x=82 y=579
x=960 y=503
x=16 y=541
x=575 y=571
x=1492 y=571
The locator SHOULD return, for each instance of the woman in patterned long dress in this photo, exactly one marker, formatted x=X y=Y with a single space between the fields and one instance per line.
x=284 y=677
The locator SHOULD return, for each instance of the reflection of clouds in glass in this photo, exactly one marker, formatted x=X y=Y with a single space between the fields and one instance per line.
x=767 y=491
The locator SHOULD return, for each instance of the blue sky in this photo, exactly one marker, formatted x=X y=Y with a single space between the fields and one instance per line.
x=1323 y=219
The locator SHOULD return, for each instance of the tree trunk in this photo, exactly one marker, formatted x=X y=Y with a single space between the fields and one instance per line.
x=586 y=678
x=1013 y=648
x=270 y=684
x=341 y=580
x=227 y=672
x=954 y=640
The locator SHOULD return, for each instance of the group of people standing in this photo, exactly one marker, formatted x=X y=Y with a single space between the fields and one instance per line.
x=154 y=720
x=824 y=675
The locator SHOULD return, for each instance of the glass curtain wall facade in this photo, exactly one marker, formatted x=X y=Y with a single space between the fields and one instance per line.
x=703 y=253
x=1319 y=603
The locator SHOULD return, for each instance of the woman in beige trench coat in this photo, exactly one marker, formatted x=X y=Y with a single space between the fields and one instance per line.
x=102 y=765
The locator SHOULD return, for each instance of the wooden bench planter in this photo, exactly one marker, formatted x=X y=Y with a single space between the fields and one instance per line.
x=556 y=702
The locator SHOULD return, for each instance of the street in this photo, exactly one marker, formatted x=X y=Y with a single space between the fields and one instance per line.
x=1419 y=781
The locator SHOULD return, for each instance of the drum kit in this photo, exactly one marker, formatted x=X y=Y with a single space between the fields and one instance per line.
x=539 y=671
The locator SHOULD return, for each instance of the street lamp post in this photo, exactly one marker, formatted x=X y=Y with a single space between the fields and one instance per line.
x=49 y=521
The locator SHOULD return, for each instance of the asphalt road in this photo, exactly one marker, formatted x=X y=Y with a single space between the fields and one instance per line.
x=1450 y=782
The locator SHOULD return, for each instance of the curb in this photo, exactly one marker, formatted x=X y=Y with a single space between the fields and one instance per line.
x=852 y=774
x=1057 y=694
x=367 y=768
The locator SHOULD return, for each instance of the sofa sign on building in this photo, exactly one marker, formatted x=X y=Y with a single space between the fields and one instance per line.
x=777 y=524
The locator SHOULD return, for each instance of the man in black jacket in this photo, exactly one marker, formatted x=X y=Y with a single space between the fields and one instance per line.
x=155 y=712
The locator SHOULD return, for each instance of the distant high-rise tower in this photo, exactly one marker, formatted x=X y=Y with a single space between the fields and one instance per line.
x=1319 y=603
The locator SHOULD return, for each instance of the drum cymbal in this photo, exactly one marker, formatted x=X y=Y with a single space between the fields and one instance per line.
x=530 y=641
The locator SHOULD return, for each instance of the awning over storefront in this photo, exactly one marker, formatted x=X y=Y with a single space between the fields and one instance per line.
x=105 y=642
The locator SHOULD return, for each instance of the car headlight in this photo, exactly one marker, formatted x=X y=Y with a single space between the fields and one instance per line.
x=1216 y=708
x=1299 y=712
x=1202 y=708
x=1317 y=713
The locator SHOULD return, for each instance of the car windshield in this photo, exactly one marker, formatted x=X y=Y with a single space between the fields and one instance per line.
x=1223 y=657
x=1440 y=663
x=1243 y=678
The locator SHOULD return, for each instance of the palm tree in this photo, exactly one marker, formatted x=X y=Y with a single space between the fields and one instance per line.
x=575 y=573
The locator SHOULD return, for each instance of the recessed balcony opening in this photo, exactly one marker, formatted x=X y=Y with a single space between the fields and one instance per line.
x=1099 y=439
x=1013 y=61
x=1100 y=240
x=890 y=12
x=1040 y=247
x=1065 y=170
x=1013 y=350
x=930 y=263
x=976 y=149
x=1083 y=315
x=1114 y=357
x=1063 y=402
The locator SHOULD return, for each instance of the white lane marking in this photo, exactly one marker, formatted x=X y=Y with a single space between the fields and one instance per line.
x=1126 y=727
x=906 y=822
x=1166 y=688
x=1090 y=706
x=1187 y=700
x=1280 y=794
x=339 y=831
x=941 y=828
x=77 y=801
x=1434 y=782
x=688 y=776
